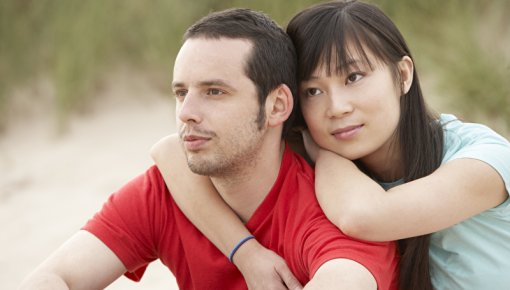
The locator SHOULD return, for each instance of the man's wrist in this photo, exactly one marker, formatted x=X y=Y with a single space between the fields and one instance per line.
x=239 y=245
x=243 y=253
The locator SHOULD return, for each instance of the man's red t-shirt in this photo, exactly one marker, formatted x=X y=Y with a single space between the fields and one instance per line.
x=141 y=223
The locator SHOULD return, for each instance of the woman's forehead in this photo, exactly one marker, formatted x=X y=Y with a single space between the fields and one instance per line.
x=352 y=57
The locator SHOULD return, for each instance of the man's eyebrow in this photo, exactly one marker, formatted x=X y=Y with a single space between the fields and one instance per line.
x=177 y=85
x=206 y=83
x=214 y=82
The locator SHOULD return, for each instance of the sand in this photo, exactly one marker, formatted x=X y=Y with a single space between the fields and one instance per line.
x=51 y=184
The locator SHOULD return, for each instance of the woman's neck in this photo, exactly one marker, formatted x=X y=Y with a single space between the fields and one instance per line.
x=384 y=165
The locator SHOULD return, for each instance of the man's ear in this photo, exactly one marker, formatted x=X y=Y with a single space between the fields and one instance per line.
x=406 y=69
x=279 y=105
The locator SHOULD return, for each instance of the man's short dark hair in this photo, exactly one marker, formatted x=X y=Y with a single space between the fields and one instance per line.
x=273 y=59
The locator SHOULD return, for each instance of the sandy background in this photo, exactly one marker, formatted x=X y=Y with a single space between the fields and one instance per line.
x=50 y=184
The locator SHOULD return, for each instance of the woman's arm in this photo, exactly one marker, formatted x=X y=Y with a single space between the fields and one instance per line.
x=361 y=208
x=197 y=197
x=205 y=208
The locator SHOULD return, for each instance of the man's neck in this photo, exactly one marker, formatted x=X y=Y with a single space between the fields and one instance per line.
x=245 y=189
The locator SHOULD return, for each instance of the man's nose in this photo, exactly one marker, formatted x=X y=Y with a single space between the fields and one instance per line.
x=188 y=110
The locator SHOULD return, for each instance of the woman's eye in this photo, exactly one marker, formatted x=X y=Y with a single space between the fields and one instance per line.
x=313 y=92
x=214 y=92
x=354 y=77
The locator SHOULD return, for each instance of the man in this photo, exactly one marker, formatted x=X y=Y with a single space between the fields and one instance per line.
x=234 y=80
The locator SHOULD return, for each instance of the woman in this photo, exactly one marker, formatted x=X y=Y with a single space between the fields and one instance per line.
x=386 y=168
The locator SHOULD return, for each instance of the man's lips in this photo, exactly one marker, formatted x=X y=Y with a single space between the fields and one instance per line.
x=194 y=142
x=346 y=132
x=191 y=138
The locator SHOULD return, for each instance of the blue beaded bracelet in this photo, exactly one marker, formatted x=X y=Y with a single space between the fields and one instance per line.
x=234 y=250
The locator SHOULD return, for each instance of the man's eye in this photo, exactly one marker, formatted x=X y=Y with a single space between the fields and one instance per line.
x=180 y=93
x=214 y=92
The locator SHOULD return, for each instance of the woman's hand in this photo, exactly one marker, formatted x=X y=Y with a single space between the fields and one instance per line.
x=263 y=269
x=312 y=149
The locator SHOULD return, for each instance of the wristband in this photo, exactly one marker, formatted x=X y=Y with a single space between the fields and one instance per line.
x=234 y=250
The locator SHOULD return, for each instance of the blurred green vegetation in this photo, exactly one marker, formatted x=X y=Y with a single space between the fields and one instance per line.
x=461 y=45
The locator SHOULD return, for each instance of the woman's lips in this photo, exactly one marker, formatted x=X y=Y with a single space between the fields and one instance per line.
x=346 y=132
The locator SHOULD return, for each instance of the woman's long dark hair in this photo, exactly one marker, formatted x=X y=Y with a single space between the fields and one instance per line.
x=330 y=32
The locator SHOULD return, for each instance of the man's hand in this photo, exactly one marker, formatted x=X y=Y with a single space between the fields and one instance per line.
x=263 y=269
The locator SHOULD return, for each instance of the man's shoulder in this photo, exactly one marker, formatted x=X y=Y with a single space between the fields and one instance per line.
x=297 y=159
x=151 y=175
x=150 y=182
x=154 y=173
x=298 y=182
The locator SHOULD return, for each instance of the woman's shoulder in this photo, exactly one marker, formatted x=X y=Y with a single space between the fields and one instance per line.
x=459 y=133
x=472 y=140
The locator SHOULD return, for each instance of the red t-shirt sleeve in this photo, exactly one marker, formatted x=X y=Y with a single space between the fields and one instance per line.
x=127 y=222
x=321 y=241
x=326 y=243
